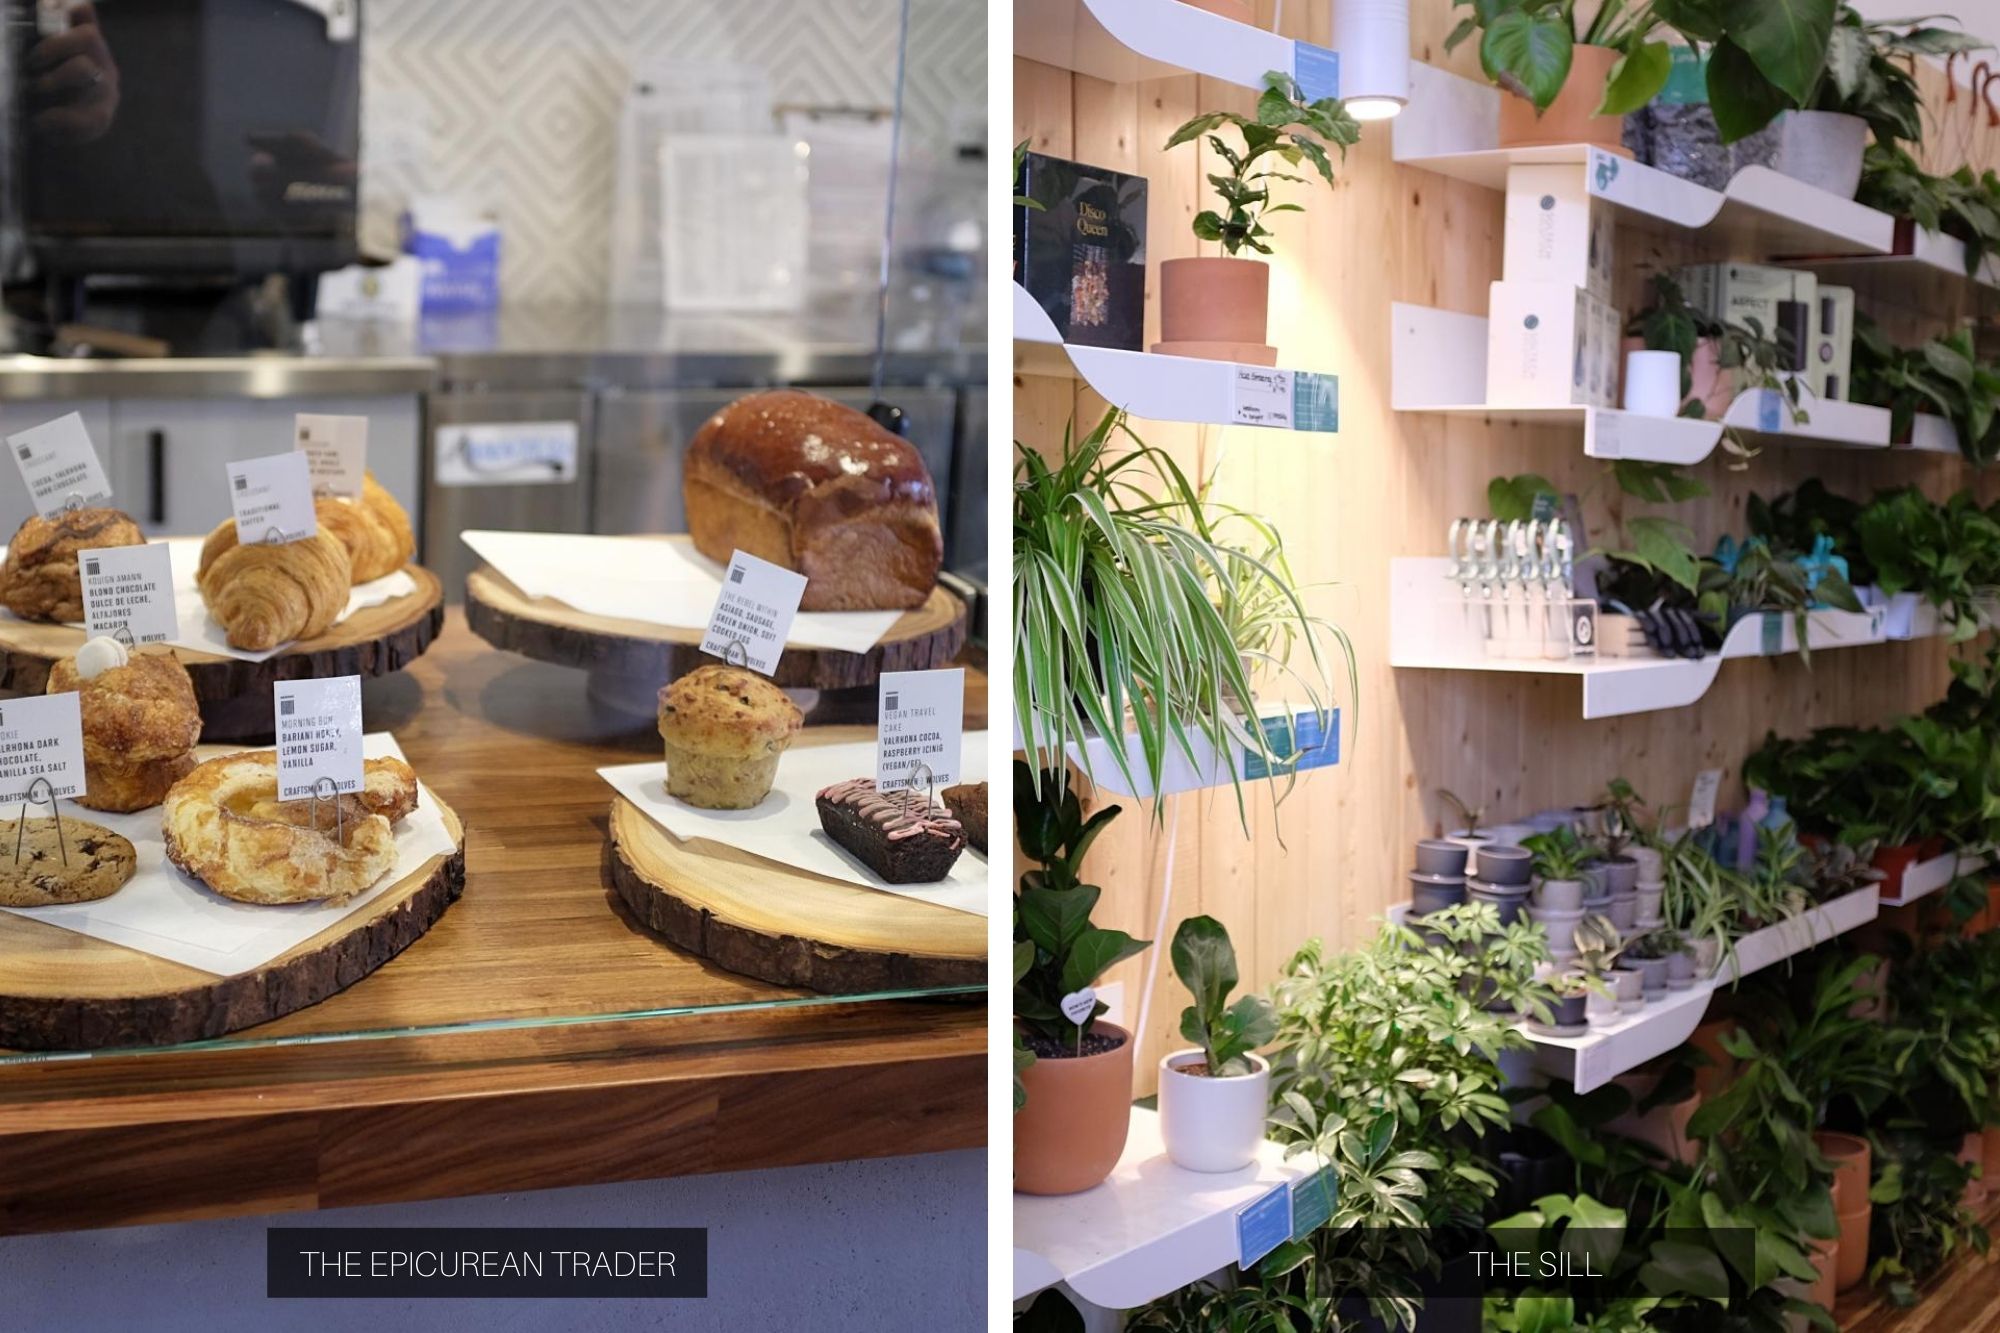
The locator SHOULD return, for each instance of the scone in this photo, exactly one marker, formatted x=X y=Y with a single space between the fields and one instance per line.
x=100 y=862
x=724 y=729
x=225 y=825
x=899 y=835
x=140 y=722
x=967 y=801
x=40 y=581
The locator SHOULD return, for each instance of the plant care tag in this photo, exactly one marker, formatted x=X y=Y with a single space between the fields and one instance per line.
x=1263 y=1225
x=753 y=614
x=1701 y=801
x=319 y=735
x=130 y=588
x=1312 y=1202
x=920 y=725
x=273 y=499
x=336 y=450
x=1261 y=396
x=41 y=737
x=1316 y=70
x=58 y=465
x=1079 y=1005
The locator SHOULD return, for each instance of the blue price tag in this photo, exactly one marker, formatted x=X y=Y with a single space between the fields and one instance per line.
x=1774 y=634
x=1312 y=1202
x=1316 y=70
x=1299 y=733
x=1315 y=401
x=1263 y=1226
x=1770 y=409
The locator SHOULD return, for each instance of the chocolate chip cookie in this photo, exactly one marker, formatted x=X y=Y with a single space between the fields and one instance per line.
x=99 y=863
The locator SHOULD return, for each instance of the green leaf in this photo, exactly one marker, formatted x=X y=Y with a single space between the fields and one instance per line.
x=1528 y=54
x=1742 y=99
x=1785 y=40
x=1636 y=79
x=1096 y=952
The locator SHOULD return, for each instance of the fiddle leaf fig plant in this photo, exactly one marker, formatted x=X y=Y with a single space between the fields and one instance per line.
x=1205 y=962
x=1287 y=131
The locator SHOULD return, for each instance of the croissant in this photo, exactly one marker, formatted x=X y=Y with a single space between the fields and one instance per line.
x=271 y=593
x=373 y=528
x=40 y=581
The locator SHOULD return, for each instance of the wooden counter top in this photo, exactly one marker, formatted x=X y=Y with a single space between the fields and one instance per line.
x=513 y=746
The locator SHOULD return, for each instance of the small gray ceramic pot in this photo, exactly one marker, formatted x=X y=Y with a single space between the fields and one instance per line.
x=1624 y=912
x=1560 y=895
x=1566 y=1015
x=1596 y=883
x=1680 y=969
x=1438 y=856
x=1652 y=974
x=1648 y=897
x=1506 y=865
x=1629 y=985
x=1623 y=872
x=1649 y=863
x=1434 y=893
x=1508 y=898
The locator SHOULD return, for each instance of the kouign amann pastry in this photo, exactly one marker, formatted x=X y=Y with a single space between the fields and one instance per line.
x=40 y=580
x=266 y=593
x=76 y=863
x=226 y=826
x=140 y=722
x=724 y=729
x=373 y=528
x=900 y=835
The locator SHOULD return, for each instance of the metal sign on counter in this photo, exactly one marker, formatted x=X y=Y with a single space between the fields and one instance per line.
x=58 y=465
x=272 y=498
x=920 y=728
x=336 y=450
x=41 y=740
x=319 y=736
x=753 y=613
x=506 y=453
x=130 y=588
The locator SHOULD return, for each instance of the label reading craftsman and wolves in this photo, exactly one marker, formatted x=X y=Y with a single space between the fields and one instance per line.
x=336 y=450
x=319 y=735
x=920 y=725
x=130 y=588
x=58 y=465
x=272 y=499
x=41 y=738
x=753 y=614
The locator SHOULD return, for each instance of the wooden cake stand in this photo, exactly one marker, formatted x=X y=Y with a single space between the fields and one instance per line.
x=629 y=660
x=785 y=925
x=235 y=695
x=63 y=991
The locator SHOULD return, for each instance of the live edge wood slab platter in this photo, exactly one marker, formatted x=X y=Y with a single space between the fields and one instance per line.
x=235 y=695
x=63 y=991
x=628 y=660
x=785 y=925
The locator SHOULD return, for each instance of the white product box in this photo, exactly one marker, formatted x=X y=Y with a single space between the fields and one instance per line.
x=1777 y=298
x=1556 y=232
x=1830 y=347
x=1550 y=344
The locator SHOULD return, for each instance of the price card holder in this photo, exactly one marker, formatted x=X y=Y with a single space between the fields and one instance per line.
x=1701 y=801
x=336 y=450
x=130 y=588
x=1315 y=401
x=753 y=614
x=58 y=465
x=1261 y=396
x=272 y=498
x=1312 y=1202
x=920 y=729
x=1582 y=616
x=319 y=736
x=1316 y=70
x=41 y=742
x=1264 y=1225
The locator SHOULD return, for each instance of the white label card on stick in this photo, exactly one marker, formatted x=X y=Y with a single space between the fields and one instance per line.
x=130 y=588
x=920 y=725
x=336 y=450
x=1262 y=397
x=273 y=499
x=319 y=735
x=753 y=613
x=58 y=465
x=1701 y=801
x=41 y=738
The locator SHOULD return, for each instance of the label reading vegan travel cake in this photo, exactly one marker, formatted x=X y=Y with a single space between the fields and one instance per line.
x=753 y=613
x=920 y=726
x=130 y=588
x=41 y=738
x=319 y=735
x=58 y=465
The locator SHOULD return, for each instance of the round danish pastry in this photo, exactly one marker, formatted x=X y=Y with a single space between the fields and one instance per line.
x=226 y=826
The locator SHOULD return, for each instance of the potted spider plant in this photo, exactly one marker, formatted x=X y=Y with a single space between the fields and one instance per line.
x=1142 y=618
x=1214 y=1095
x=1218 y=306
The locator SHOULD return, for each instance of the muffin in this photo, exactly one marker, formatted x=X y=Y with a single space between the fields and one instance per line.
x=724 y=729
x=140 y=722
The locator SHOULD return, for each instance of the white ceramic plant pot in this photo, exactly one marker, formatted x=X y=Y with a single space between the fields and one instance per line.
x=1649 y=864
x=1823 y=149
x=1707 y=956
x=1899 y=614
x=1602 y=1008
x=1649 y=896
x=1212 y=1124
x=1629 y=988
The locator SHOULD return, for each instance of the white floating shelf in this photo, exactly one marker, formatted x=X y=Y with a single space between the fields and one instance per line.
x=1927 y=877
x=1149 y=1229
x=1123 y=41
x=1931 y=434
x=1158 y=388
x=1451 y=127
x=1930 y=277
x=1431 y=628
x=1437 y=364
x=1098 y=759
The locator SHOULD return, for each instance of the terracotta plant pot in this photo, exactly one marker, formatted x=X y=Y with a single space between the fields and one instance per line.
x=1892 y=862
x=1570 y=118
x=1072 y=1130
x=1972 y=1152
x=1989 y=1156
x=1851 y=1260
x=1875 y=982
x=1825 y=1262
x=1664 y=1128
x=1216 y=308
x=1240 y=10
x=1850 y=1158
x=1713 y=1077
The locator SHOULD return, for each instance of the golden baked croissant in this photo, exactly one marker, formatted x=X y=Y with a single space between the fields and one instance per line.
x=40 y=581
x=271 y=593
x=373 y=528
x=225 y=825
x=140 y=724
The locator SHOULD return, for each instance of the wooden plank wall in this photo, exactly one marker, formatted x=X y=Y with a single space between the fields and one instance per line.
x=1388 y=485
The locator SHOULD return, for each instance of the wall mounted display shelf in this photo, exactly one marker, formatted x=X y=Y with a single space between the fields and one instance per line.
x=1177 y=388
x=1927 y=877
x=1122 y=41
x=1437 y=364
x=1430 y=628
x=1318 y=747
x=1149 y=1229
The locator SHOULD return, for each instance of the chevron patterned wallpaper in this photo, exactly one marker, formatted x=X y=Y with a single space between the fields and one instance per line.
x=513 y=105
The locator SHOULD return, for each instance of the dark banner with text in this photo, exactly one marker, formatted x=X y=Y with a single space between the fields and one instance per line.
x=569 y=1262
